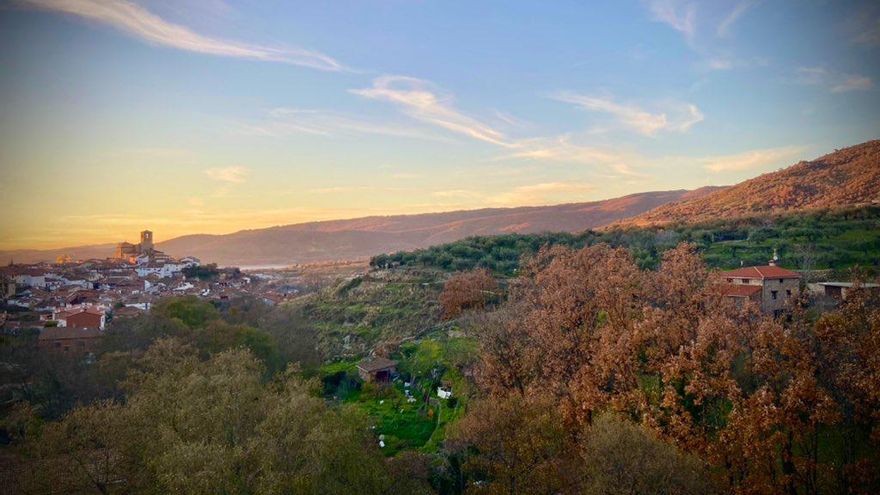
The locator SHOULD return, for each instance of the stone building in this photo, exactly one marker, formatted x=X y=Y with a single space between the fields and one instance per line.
x=127 y=250
x=771 y=286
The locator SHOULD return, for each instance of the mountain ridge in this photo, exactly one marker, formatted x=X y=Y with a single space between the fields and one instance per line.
x=846 y=177
x=363 y=237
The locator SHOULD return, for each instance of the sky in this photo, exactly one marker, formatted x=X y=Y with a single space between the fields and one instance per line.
x=213 y=116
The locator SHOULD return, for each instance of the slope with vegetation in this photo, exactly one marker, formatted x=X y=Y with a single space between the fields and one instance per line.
x=354 y=316
x=820 y=239
x=844 y=178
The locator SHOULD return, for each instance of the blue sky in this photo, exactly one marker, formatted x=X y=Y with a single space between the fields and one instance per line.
x=214 y=116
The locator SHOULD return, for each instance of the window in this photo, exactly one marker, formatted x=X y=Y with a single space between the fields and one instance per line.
x=730 y=280
x=787 y=292
x=745 y=280
x=780 y=280
x=773 y=294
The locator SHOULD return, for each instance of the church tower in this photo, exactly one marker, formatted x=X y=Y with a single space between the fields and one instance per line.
x=146 y=241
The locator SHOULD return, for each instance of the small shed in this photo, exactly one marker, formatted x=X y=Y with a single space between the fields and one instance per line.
x=842 y=290
x=376 y=369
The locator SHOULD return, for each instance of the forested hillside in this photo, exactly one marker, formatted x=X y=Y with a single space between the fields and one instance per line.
x=823 y=239
x=844 y=178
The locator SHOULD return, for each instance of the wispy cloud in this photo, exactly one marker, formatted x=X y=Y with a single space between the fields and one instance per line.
x=562 y=149
x=684 y=117
x=730 y=19
x=610 y=164
x=422 y=101
x=681 y=16
x=541 y=193
x=511 y=121
x=139 y=22
x=419 y=99
x=233 y=175
x=853 y=82
x=719 y=63
x=835 y=82
x=338 y=189
x=753 y=159
x=283 y=122
x=455 y=193
x=811 y=75
x=863 y=25
x=404 y=176
x=870 y=35
x=722 y=60
x=351 y=189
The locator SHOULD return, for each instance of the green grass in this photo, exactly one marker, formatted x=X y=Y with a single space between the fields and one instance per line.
x=337 y=367
x=355 y=316
x=448 y=416
x=405 y=425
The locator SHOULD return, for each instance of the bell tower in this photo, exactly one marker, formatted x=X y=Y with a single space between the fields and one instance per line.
x=146 y=241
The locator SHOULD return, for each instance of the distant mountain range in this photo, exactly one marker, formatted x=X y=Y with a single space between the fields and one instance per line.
x=363 y=237
x=847 y=177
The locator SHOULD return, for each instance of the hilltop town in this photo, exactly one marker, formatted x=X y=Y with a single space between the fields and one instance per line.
x=76 y=299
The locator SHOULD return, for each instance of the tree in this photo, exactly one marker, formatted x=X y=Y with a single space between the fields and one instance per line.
x=193 y=426
x=294 y=334
x=516 y=445
x=762 y=399
x=620 y=457
x=468 y=290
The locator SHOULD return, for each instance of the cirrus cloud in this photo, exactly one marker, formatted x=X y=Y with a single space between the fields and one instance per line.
x=233 y=175
x=681 y=16
x=545 y=192
x=139 y=22
x=678 y=117
x=835 y=82
x=752 y=159
x=421 y=101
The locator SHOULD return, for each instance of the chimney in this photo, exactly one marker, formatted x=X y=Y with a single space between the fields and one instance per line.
x=775 y=258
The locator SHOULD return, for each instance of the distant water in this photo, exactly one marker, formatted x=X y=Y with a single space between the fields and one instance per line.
x=252 y=268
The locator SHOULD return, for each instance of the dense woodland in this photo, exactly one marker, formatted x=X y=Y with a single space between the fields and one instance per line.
x=597 y=369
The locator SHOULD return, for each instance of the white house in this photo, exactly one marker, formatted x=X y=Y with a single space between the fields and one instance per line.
x=31 y=280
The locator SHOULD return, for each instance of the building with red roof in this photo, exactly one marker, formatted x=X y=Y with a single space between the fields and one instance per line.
x=81 y=318
x=771 y=286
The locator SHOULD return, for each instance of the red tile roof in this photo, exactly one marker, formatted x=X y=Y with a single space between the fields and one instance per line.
x=761 y=272
x=736 y=290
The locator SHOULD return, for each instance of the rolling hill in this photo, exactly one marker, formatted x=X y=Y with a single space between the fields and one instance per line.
x=364 y=237
x=847 y=177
